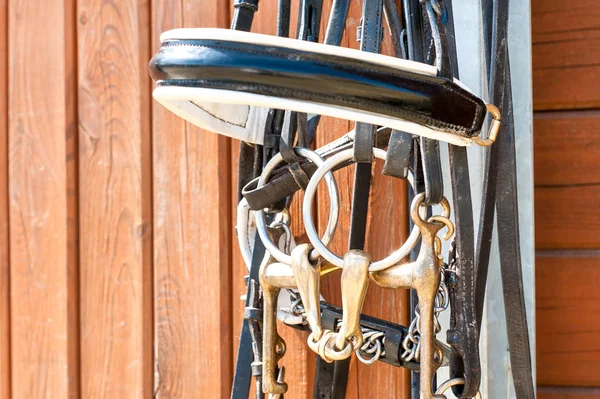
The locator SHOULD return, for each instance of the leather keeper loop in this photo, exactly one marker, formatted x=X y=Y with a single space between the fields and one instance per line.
x=250 y=4
x=299 y=175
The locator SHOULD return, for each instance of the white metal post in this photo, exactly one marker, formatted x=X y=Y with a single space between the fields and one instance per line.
x=497 y=378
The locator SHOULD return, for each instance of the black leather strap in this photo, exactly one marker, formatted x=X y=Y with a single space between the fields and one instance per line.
x=363 y=154
x=283 y=18
x=282 y=184
x=243 y=14
x=436 y=53
x=397 y=161
x=463 y=334
x=501 y=166
x=333 y=36
x=243 y=370
x=510 y=255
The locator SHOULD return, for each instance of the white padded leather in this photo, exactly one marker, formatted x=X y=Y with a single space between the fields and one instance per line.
x=242 y=115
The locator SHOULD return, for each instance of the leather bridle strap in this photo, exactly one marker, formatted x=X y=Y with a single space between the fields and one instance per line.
x=501 y=167
x=250 y=166
x=397 y=161
x=370 y=40
x=421 y=28
x=243 y=14
x=463 y=334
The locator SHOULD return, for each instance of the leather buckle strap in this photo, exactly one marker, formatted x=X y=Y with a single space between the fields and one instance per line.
x=243 y=14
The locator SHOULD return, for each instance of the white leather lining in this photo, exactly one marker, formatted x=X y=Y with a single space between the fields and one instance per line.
x=221 y=111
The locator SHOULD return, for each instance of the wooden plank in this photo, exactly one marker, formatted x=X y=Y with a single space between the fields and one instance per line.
x=43 y=223
x=566 y=179
x=193 y=236
x=566 y=218
x=115 y=191
x=566 y=148
x=545 y=392
x=567 y=305
x=4 y=238
x=566 y=54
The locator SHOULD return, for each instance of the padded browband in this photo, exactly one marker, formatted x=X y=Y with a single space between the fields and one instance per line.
x=226 y=81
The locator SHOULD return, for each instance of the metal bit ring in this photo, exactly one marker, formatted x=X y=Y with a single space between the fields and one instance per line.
x=321 y=245
x=334 y=204
x=452 y=383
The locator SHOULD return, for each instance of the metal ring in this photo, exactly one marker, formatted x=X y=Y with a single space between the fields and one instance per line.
x=334 y=203
x=494 y=127
x=311 y=231
x=452 y=383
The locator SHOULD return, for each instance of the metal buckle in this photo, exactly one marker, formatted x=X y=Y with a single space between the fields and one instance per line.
x=494 y=127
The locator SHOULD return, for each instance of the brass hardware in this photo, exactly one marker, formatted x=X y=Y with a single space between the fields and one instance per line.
x=327 y=268
x=272 y=277
x=494 y=127
x=308 y=281
x=422 y=275
x=355 y=281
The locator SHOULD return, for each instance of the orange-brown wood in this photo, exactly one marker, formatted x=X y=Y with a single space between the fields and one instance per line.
x=4 y=240
x=566 y=49
x=566 y=179
x=192 y=236
x=43 y=253
x=566 y=148
x=115 y=198
x=567 y=305
x=544 y=392
x=566 y=218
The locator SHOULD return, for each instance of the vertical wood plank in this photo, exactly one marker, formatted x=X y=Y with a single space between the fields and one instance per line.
x=43 y=241
x=4 y=240
x=115 y=193
x=193 y=236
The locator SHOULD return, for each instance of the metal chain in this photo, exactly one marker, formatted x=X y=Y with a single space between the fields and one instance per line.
x=373 y=340
x=411 y=343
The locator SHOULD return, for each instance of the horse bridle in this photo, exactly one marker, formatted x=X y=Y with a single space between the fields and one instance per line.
x=263 y=91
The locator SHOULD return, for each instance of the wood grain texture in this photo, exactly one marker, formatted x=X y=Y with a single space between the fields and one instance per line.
x=4 y=238
x=566 y=50
x=193 y=236
x=566 y=149
x=567 y=305
x=43 y=253
x=566 y=179
x=115 y=198
x=566 y=218
x=545 y=392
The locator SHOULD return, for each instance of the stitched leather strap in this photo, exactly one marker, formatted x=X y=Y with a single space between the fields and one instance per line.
x=463 y=334
x=501 y=191
x=250 y=164
x=397 y=161
x=243 y=14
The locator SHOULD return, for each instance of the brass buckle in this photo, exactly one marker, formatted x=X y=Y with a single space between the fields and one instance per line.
x=494 y=127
